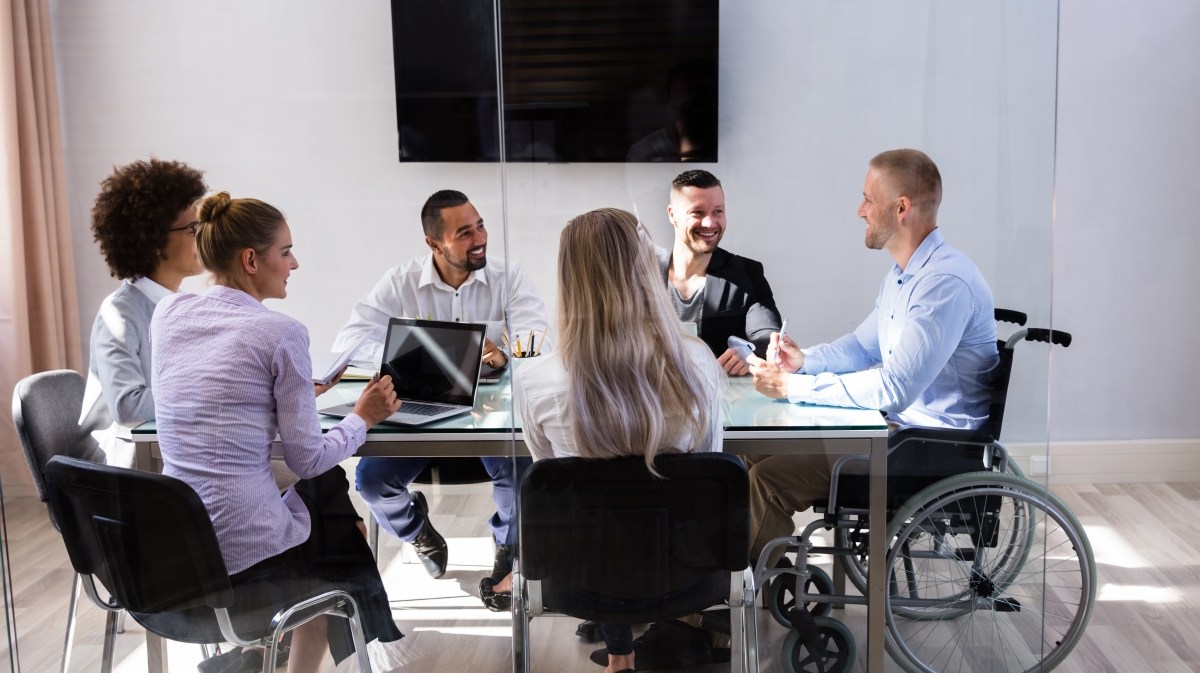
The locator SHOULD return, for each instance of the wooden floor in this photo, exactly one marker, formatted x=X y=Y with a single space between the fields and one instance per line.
x=1146 y=539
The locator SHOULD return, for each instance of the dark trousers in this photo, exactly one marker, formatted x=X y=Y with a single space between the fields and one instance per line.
x=383 y=484
x=618 y=638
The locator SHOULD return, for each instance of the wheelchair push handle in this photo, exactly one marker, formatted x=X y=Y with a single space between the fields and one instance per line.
x=1051 y=336
x=1009 y=315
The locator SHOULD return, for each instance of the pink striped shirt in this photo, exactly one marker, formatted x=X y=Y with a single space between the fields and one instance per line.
x=229 y=375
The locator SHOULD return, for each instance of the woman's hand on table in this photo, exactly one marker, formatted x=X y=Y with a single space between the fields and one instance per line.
x=378 y=401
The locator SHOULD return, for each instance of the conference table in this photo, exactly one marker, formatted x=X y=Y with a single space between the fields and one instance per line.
x=754 y=424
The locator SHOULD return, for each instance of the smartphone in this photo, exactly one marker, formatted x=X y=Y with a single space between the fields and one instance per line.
x=740 y=346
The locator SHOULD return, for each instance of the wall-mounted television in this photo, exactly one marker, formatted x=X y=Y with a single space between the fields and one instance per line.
x=583 y=80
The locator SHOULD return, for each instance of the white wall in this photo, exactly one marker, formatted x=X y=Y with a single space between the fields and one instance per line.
x=292 y=103
x=1125 y=234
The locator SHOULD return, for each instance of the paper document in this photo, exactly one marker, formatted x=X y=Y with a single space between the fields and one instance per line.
x=324 y=374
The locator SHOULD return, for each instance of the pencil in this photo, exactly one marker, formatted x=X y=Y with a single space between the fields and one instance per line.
x=541 y=343
x=519 y=353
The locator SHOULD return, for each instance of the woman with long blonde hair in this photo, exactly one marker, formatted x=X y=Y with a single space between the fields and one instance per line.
x=624 y=380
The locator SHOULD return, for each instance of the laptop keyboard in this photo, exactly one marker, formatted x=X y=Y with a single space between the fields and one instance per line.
x=421 y=409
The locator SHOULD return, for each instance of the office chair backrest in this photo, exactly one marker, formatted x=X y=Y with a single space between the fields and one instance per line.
x=46 y=409
x=612 y=529
x=147 y=537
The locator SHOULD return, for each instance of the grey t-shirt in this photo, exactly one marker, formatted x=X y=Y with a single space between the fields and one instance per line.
x=690 y=310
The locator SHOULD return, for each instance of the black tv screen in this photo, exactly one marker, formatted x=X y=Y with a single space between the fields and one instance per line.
x=583 y=80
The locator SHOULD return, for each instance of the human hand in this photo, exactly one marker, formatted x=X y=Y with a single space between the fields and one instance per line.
x=732 y=363
x=378 y=401
x=492 y=355
x=769 y=378
x=322 y=388
x=785 y=352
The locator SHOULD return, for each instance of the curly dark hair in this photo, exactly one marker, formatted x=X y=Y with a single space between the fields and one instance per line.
x=135 y=209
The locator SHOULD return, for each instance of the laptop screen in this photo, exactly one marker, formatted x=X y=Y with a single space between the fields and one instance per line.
x=433 y=361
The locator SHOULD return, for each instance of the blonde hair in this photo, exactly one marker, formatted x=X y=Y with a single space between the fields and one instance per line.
x=228 y=226
x=913 y=174
x=634 y=389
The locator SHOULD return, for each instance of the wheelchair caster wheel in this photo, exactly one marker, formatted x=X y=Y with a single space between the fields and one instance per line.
x=781 y=594
x=833 y=650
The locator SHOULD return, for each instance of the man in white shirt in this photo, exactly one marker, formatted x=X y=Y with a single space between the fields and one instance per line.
x=454 y=282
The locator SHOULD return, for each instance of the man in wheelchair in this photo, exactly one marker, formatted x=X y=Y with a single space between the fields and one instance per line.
x=924 y=356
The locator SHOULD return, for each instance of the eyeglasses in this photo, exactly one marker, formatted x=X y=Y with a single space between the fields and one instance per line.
x=191 y=228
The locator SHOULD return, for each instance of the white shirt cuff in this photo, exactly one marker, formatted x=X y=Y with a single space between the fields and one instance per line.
x=800 y=387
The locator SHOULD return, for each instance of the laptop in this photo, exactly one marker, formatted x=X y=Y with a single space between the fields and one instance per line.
x=434 y=366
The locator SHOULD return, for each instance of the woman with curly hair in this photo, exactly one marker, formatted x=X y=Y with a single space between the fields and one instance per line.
x=145 y=222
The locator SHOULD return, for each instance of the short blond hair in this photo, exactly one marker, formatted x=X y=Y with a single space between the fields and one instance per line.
x=911 y=173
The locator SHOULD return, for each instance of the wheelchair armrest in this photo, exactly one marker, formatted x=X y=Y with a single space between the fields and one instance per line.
x=938 y=435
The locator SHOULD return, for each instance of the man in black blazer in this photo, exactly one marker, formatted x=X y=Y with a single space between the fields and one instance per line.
x=723 y=293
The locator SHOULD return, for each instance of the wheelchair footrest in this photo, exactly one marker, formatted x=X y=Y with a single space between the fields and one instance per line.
x=1006 y=605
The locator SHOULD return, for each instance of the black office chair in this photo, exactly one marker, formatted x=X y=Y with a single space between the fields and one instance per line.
x=605 y=540
x=148 y=539
x=46 y=408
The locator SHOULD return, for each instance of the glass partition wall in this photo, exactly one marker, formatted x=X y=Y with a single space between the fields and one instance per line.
x=349 y=120
x=808 y=94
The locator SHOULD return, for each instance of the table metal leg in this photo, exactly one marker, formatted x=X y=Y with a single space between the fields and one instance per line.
x=877 y=572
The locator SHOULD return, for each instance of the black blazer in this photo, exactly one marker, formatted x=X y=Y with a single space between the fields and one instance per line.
x=737 y=301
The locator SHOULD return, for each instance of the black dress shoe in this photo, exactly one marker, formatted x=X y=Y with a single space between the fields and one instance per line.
x=430 y=546
x=493 y=601
x=667 y=646
x=230 y=661
x=503 y=563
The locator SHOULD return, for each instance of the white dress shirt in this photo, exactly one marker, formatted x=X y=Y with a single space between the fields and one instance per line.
x=415 y=290
x=541 y=390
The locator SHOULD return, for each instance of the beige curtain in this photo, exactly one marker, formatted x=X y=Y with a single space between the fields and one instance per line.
x=39 y=324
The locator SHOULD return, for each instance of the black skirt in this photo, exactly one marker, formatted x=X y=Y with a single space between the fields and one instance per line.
x=335 y=556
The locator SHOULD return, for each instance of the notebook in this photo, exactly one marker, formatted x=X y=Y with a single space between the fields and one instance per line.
x=434 y=366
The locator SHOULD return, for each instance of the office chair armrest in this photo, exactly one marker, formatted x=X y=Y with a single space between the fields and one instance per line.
x=89 y=588
x=331 y=602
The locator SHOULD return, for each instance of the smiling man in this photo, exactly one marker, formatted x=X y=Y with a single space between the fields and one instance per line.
x=722 y=293
x=454 y=282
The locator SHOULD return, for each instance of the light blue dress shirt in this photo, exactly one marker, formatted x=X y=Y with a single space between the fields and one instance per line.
x=925 y=355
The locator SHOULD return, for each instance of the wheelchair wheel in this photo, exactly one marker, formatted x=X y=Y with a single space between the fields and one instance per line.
x=834 y=651
x=782 y=594
x=987 y=571
x=855 y=563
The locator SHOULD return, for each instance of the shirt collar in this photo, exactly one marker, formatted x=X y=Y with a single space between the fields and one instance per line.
x=233 y=296
x=921 y=255
x=153 y=291
x=429 y=275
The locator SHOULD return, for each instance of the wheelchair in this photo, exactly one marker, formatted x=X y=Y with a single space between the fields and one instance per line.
x=986 y=570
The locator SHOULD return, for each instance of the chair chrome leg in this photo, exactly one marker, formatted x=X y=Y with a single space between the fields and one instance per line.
x=750 y=627
x=121 y=621
x=373 y=537
x=70 y=636
x=110 y=642
x=520 y=621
